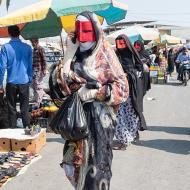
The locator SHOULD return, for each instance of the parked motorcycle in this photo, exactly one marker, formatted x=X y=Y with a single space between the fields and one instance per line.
x=184 y=72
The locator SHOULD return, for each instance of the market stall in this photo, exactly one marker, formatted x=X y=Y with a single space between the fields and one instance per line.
x=159 y=48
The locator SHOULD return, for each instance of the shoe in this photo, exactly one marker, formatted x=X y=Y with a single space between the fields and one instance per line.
x=137 y=139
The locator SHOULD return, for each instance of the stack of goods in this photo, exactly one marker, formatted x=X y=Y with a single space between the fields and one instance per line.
x=37 y=113
x=34 y=130
x=49 y=112
x=41 y=116
x=11 y=164
x=154 y=69
x=162 y=76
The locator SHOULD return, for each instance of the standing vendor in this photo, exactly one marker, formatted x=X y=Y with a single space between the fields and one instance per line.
x=39 y=71
x=16 y=58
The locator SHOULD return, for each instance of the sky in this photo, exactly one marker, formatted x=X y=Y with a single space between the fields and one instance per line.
x=164 y=11
x=15 y=4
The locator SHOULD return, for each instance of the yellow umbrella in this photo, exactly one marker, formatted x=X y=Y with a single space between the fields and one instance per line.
x=34 y=12
x=170 y=39
x=47 y=17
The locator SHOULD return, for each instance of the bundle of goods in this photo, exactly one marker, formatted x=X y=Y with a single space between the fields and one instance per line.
x=37 y=113
x=34 y=130
x=11 y=164
x=158 y=74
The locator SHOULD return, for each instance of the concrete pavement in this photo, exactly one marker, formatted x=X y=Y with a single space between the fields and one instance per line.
x=160 y=162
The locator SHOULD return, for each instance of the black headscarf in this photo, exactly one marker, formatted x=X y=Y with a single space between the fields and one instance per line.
x=129 y=57
x=143 y=53
x=131 y=63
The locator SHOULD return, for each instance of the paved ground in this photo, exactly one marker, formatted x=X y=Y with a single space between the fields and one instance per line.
x=160 y=162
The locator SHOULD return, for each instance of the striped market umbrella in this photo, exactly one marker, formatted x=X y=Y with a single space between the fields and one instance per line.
x=46 y=18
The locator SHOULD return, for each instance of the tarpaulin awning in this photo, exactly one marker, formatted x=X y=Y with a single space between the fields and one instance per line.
x=170 y=39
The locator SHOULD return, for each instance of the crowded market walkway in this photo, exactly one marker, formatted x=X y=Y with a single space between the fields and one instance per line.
x=160 y=162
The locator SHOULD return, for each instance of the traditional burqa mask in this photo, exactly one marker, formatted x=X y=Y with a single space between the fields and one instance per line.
x=138 y=46
x=85 y=33
x=121 y=44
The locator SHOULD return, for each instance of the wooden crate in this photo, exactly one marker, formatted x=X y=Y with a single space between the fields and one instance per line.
x=161 y=80
x=5 y=145
x=33 y=145
x=154 y=80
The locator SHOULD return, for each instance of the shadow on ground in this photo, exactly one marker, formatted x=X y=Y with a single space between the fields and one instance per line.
x=57 y=139
x=172 y=130
x=174 y=84
x=168 y=145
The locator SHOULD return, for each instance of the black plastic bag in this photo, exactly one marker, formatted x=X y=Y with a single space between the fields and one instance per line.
x=70 y=121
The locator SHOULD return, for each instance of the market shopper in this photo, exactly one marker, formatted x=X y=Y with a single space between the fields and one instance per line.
x=155 y=51
x=16 y=58
x=39 y=71
x=171 y=62
x=96 y=63
x=130 y=115
x=145 y=58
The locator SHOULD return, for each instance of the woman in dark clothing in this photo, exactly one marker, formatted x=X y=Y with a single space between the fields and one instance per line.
x=130 y=116
x=87 y=162
x=145 y=58
x=171 y=62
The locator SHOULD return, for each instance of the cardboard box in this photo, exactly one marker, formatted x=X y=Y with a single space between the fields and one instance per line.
x=29 y=145
x=5 y=145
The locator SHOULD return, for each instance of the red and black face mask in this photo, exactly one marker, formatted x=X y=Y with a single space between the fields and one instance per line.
x=137 y=46
x=121 y=44
x=85 y=31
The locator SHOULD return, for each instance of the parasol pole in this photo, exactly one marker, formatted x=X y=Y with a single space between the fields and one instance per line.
x=62 y=46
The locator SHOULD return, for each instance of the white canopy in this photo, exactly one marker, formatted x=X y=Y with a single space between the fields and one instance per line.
x=135 y=32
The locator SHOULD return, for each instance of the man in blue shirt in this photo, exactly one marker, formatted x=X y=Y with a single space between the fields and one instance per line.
x=183 y=56
x=16 y=58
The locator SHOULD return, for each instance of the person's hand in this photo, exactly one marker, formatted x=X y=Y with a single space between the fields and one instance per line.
x=87 y=94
